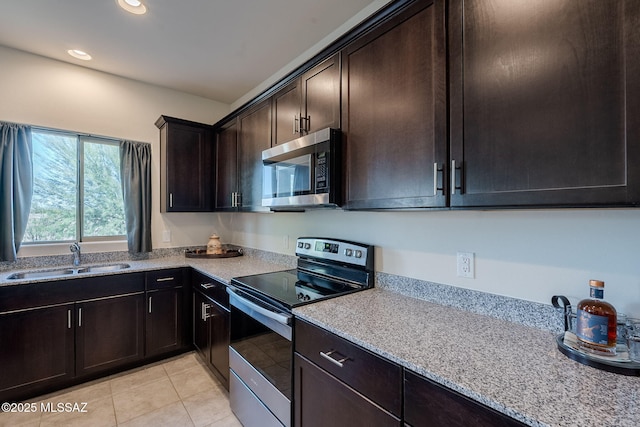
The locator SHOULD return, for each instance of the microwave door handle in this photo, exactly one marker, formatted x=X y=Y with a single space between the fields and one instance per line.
x=241 y=303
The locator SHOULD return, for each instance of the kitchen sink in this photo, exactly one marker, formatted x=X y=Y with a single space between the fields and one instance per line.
x=105 y=268
x=41 y=274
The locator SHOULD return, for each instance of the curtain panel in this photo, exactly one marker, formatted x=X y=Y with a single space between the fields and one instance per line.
x=135 y=174
x=16 y=186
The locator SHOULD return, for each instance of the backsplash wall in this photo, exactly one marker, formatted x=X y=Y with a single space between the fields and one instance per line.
x=525 y=254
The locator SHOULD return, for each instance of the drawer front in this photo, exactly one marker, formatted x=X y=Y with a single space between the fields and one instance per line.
x=376 y=378
x=213 y=288
x=162 y=279
x=31 y=295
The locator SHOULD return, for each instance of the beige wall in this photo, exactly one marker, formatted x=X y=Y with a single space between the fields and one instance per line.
x=526 y=254
x=50 y=93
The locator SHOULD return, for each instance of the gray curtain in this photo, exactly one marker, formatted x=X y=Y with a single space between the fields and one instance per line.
x=16 y=186
x=135 y=173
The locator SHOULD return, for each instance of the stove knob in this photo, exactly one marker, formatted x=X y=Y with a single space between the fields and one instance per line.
x=300 y=296
x=348 y=252
x=307 y=245
x=306 y=298
x=358 y=253
x=300 y=245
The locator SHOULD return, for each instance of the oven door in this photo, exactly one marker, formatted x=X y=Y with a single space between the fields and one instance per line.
x=260 y=358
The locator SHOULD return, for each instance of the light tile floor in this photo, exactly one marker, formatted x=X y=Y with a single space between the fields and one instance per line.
x=176 y=392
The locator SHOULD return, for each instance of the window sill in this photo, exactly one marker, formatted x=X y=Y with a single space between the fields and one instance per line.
x=48 y=249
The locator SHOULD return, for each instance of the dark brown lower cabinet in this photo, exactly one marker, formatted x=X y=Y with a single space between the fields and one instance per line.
x=337 y=383
x=37 y=350
x=109 y=333
x=323 y=400
x=164 y=321
x=428 y=403
x=62 y=332
x=211 y=335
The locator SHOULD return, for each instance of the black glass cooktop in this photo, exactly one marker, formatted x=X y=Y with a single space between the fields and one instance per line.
x=292 y=288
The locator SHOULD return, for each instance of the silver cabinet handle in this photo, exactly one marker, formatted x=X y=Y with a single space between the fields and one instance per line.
x=150 y=304
x=170 y=200
x=435 y=179
x=165 y=279
x=69 y=319
x=453 y=177
x=79 y=317
x=328 y=354
x=454 y=170
x=204 y=311
x=207 y=285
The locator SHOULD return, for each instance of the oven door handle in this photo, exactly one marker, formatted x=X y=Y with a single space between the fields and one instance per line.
x=241 y=303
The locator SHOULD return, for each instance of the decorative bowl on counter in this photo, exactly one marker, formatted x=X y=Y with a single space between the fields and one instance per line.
x=228 y=251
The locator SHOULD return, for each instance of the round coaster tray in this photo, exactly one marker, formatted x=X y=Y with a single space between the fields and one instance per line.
x=629 y=368
x=202 y=253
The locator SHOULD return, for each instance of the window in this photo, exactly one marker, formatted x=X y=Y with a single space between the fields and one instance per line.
x=77 y=194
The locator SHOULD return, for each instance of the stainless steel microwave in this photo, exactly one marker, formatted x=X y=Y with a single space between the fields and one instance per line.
x=303 y=173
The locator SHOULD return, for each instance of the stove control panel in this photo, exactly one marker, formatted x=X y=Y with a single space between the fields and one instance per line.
x=335 y=250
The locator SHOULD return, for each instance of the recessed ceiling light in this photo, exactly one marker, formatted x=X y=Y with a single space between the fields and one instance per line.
x=133 y=6
x=79 y=54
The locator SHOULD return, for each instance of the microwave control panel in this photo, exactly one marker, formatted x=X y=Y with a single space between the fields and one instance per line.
x=322 y=184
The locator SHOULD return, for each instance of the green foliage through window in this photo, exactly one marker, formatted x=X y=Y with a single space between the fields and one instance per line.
x=77 y=193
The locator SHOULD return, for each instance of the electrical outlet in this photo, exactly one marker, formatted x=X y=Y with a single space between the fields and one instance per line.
x=465 y=264
x=166 y=236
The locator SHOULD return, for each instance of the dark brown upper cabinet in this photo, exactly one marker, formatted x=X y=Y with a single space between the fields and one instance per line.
x=394 y=112
x=544 y=103
x=186 y=165
x=227 y=166
x=254 y=136
x=309 y=103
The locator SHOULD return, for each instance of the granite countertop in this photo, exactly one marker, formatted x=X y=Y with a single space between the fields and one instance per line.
x=222 y=268
x=512 y=368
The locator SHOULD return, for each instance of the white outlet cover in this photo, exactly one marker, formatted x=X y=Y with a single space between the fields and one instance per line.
x=465 y=264
x=166 y=236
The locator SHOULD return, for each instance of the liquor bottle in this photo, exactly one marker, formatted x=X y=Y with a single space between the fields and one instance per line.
x=596 y=322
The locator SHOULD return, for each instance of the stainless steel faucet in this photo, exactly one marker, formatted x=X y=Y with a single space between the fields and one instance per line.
x=75 y=248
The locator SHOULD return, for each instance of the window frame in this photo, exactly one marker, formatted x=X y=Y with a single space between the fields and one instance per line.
x=80 y=140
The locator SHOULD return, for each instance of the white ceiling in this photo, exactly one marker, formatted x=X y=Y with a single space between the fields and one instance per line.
x=218 y=49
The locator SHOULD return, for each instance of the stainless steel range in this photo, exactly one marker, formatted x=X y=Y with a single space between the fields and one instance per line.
x=261 y=350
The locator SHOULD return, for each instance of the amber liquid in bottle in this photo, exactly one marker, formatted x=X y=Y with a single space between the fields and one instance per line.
x=597 y=322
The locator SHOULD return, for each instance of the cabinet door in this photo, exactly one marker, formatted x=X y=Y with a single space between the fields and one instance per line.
x=286 y=113
x=186 y=166
x=253 y=138
x=227 y=166
x=394 y=112
x=427 y=403
x=544 y=102
x=38 y=350
x=321 y=90
x=201 y=326
x=219 y=341
x=164 y=320
x=322 y=400
x=109 y=333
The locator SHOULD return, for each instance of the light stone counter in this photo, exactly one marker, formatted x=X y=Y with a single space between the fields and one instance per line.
x=513 y=368
x=222 y=269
